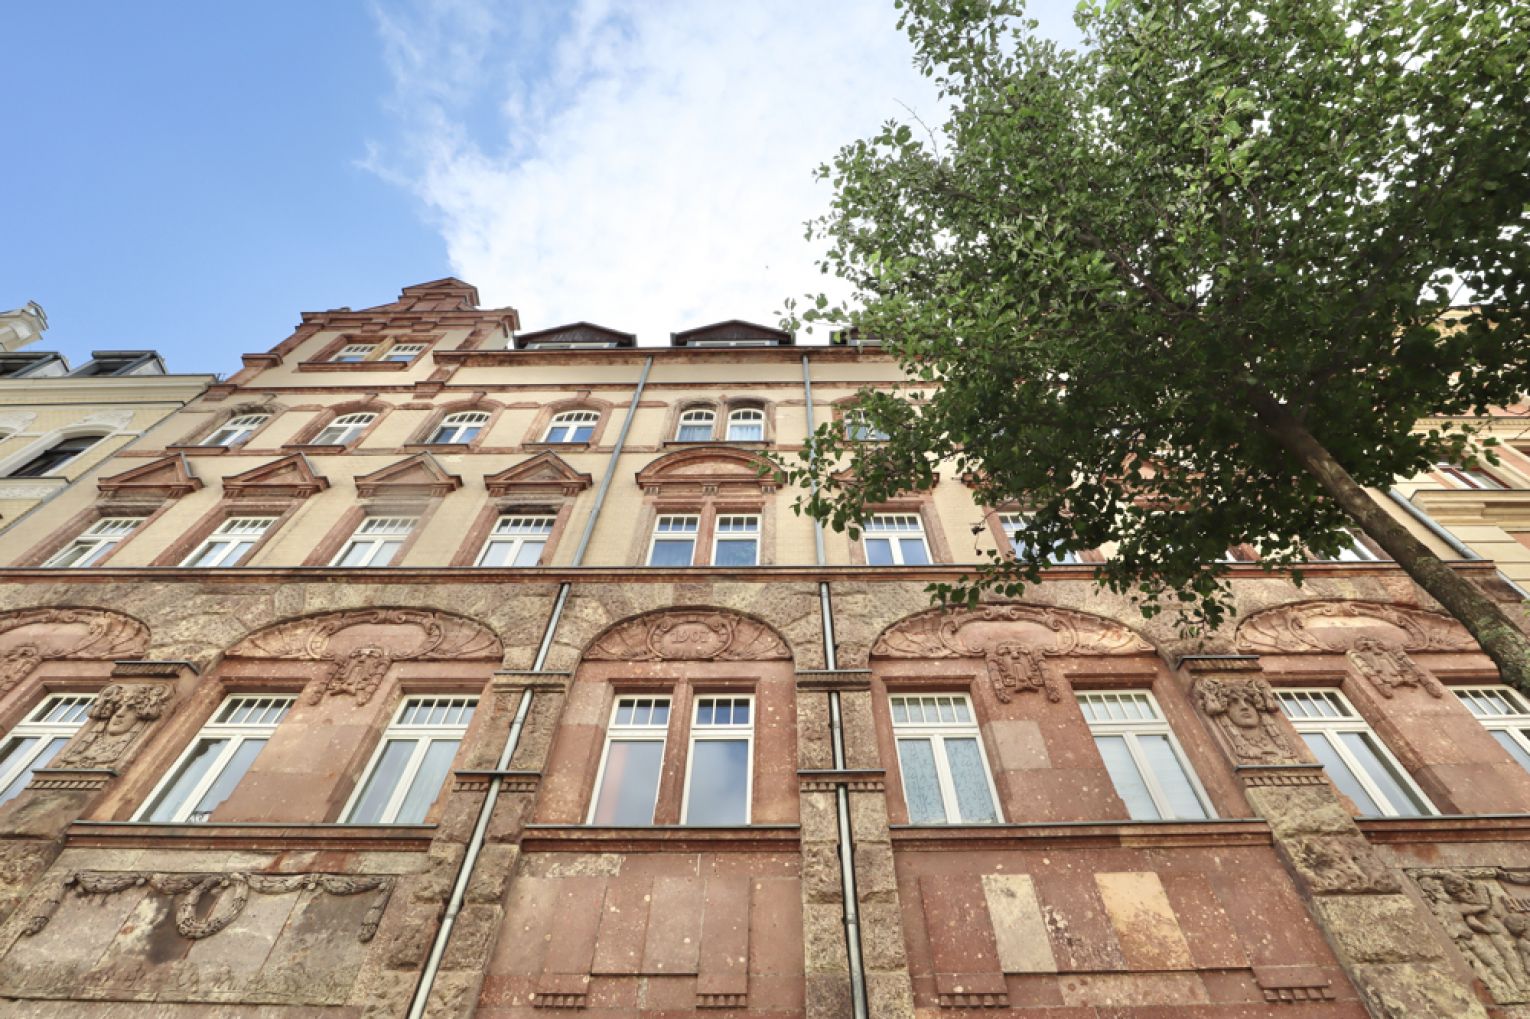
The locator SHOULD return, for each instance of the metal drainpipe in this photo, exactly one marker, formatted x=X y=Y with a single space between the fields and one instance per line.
x=1456 y=545
x=852 y=917
x=513 y=739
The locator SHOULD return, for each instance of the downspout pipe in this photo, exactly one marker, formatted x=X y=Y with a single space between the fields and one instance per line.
x=1455 y=544
x=512 y=740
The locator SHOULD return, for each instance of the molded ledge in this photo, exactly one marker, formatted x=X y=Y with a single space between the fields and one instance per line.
x=663 y=838
x=1083 y=834
x=381 y=838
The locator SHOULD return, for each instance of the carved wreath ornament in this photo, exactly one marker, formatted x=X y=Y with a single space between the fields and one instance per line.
x=207 y=903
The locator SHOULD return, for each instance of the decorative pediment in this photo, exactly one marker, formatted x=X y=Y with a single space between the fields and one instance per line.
x=168 y=477
x=544 y=474
x=708 y=470
x=733 y=331
x=972 y=633
x=291 y=477
x=31 y=636
x=419 y=475
x=688 y=635
x=1336 y=627
x=576 y=334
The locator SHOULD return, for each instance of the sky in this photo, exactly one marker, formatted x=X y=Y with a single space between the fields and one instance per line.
x=191 y=177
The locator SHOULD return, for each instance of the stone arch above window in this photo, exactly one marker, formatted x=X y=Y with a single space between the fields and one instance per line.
x=1338 y=626
x=342 y=425
x=570 y=413
x=690 y=634
x=234 y=426
x=461 y=422
x=31 y=636
x=707 y=471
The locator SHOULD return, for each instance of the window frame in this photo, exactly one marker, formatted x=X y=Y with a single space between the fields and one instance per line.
x=517 y=540
x=1514 y=725
x=632 y=734
x=226 y=532
x=1352 y=721
x=895 y=537
x=413 y=349
x=54 y=467
x=938 y=733
x=423 y=735
x=237 y=733
x=1470 y=479
x=103 y=545
x=745 y=417
x=378 y=538
x=573 y=420
x=1130 y=729
x=34 y=725
x=1010 y=520
x=346 y=353
x=696 y=413
x=653 y=538
x=454 y=424
x=351 y=424
x=718 y=537
x=238 y=438
x=717 y=734
x=858 y=428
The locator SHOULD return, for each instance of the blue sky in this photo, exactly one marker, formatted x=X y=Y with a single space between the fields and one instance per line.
x=190 y=177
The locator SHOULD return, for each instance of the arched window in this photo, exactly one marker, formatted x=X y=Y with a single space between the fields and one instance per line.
x=746 y=424
x=463 y=426
x=696 y=426
x=55 y=456
x=344 y=430
x=572 y=426
x=236 y=431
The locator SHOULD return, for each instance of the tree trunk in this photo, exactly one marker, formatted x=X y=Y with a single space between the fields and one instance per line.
x=1505 y=643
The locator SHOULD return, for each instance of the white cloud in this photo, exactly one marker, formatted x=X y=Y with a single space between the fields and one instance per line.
x=645 y=165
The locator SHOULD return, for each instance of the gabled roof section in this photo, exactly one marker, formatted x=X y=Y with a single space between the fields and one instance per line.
x=418 y=475
x=544 y=474
x=169 y=477
x=576 y=334
x=708 y=470
x=447 y=294
x=734 y=332
x=291 y=477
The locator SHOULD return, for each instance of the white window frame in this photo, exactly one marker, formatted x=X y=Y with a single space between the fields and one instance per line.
x=99 y=539
x=236 y=431
x=752 y=533
x=376 y=531
x=423 y=733
x=630 y=733
x=353 y=353
x=937 y=733
x=1357 y=551
x=697 y=417
x=860 y=429
x=720 y=733
x=232 y=533
x=670 y=535
x=1011 y=522
x=572 y=420
x=237 y=733
x=347 y=429
x=515 y=530
x=1347 y=719
x=746 y=417
x=35 y=726
x=1474 y=479
x=896 y=535
x=1106 y=702
x=1515 y=724
x=450 y=430
x=409 y=350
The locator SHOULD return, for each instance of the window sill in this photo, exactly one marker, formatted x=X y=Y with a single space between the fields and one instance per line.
x=717 y=444
x=555 y=446
x=365 y=366
x=439 y=447
x=1232 y=831
x=273 y=836
x=659 y=838
x=1445 y=828
x=198 y=450
x=324 y=449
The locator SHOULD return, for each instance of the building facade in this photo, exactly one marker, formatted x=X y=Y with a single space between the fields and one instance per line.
x=429 y=666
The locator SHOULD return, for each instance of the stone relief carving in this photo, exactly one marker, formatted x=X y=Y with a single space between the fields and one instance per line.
x=113 y=419
x=1014 y=666
x=688 y=636
x=73 y=634
x=1341 y=863
x=1488 y=923
x=1246 y=712
x=1298 y=627
x=118 y=716
x=1390 y=667
x=13 y=421
x=229 y=893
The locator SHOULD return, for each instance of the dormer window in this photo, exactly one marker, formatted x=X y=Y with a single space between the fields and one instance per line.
x=462 y=427
x=696 y=426
x=746 y=425
x=236 y=431
x=572 y=426
x=344 y=430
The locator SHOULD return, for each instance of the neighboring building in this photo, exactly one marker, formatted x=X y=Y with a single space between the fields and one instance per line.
x=58 y=424
x=420 y=617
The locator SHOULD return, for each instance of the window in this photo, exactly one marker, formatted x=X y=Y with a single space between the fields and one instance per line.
x=1013 y=523
x=736 y=542
x=572 y=426
x=718 y=776
x=220 y=756
x=945 y=776
x=859 y=429
x=674 y=541
x=375 y=542
x=516 y=541
x=404 y=352
x=627 y=786
x=94 y=543
x=1457 y=476
x=746 y=425
x=1504 y=713
x=1354 y=551
x=236 y=431
x=230 y=543
x=1145 y=762
x=55 y=456
x=344 y=430
x=409 y=768
x=895 y=539
x=353 y=352
x=1355 y=760
x=695 y=426
x=461 y=427
x=39 y=738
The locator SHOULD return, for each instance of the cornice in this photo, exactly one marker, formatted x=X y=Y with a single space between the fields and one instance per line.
x=1083 y=835
x=636 y=355
x=103 y=388
x=269 y=837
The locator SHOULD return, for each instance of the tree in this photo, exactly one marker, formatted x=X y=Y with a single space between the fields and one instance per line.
x=1191 y=285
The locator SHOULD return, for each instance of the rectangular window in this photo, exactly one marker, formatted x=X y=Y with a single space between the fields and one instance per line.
x=1504 y=713
x=404 y=352
x=38 y=738
x=1145 y=762
x=94 y=543
x=674 y=541
x=413 y=761
x=1355 y=760
x=230 y=543
x=718 y=775
x=352 y=352
x=219 y=757
x=516 y=540
x=1457 y=476
x=1013 y=524
x=375 y=542
x=895 y=539
x=627 y=787
x=1355 y=551
x=945 y=774
x=737 y=541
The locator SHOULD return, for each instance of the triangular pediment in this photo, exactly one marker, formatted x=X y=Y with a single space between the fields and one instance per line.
x=545 y=473
x=582 y=333
x=735 y=330
x=709 y=467
x=168 y=477
x=420 y=474
x=291 y=477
